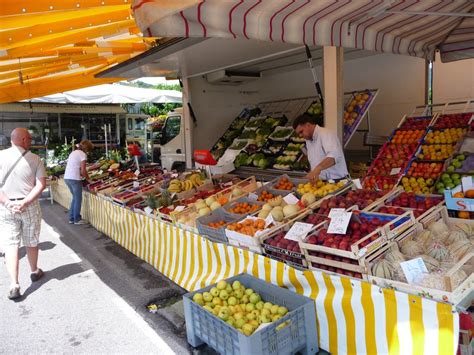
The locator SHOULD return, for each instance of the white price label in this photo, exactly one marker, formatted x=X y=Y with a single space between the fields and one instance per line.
x=253 y=197
x=269 y=220
x=339 y=223
x=136 y=184
x=137 y=172
x=331 y=181
x=357 y=183
x=395 y=171
x=148 y=210
x=467 y=183
x=299 y=231
x=414 y=269
x=291 y=199
x=334 y=212
x=179 y=208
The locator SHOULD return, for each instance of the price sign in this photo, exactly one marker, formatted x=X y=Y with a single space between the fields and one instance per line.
x=339 y=223
x=252 y=196
x=414 y=269
x=179 y=208
x=137 y=172
x=298 y=231
x=269 y=220
x=291 y=199
x=357 y=183
x=395 y=171
x=136 y=184
x=148 y=210
x=334 y=212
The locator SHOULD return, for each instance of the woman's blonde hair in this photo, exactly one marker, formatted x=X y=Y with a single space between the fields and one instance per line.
x=86 y=145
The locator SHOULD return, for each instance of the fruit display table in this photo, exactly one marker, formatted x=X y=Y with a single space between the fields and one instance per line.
x=352 y=316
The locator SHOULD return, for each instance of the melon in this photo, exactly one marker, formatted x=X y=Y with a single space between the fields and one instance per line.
x=438 y=251
x=465 y=228
x=263 y=214
x=267 y=207
x=394 y=257
x=276 y=201
x=411 y=248
x=431 y=263
x=424 y=237
x=438 y=227
x=383 y=269
x=460 y=248
x=308 y=198
x=456 y=236
x=290 y=210
x=277 y=214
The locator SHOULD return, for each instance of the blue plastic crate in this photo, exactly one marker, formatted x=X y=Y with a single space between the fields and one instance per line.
x=299 y=335
x=216 y=234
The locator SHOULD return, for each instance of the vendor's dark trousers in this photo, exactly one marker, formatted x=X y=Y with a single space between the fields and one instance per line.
x=75 y=186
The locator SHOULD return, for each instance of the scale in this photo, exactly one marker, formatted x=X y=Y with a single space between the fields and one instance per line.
x=205 y=159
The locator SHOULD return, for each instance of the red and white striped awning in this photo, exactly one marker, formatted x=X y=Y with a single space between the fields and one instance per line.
x=410 y=27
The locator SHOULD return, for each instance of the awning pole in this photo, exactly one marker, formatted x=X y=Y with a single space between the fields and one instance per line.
x=315 y=77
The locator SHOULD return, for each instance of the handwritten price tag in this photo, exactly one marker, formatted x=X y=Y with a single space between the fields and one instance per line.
x=334 y=212
x=179 y=208
x=395 y=171
x=291 y=199
x=269 y=220
x=137 y=172
x=339 y=223
x=136 y=184
x=298 y=231
x=357 y=183
x=414 y=269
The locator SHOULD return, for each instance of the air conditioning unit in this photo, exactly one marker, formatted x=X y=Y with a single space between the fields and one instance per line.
x=227 y=77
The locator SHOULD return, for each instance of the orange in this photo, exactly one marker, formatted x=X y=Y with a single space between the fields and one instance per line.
x=463 y=214
x=469 y=193
x=458 y=195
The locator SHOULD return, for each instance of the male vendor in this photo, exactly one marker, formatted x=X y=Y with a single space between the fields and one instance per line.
x=325 y=154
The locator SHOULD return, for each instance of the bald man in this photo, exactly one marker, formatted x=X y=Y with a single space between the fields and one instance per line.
x=20 y=212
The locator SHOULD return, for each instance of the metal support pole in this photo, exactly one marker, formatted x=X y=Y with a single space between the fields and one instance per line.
x=315 y=77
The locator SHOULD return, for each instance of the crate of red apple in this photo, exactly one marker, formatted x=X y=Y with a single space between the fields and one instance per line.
x=454 y=120
x=345 y=253
x=415 y=123
x=392 y=159
x=358 y=197
x=399 y=202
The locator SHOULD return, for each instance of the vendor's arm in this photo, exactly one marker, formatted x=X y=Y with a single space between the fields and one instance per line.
x=325 y=164
x=84 y=172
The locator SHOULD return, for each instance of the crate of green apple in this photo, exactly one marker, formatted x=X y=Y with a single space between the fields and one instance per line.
x=421 y=176
x=344 y=253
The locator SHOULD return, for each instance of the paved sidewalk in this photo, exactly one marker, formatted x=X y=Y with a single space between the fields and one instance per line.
x=92 y=299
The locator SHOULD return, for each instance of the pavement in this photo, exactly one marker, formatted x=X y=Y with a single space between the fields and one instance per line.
x=91 y=300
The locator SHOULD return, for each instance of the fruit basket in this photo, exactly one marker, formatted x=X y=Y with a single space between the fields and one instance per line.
x=294 y=329
x=366 y=233
x=216 y=232
x=287 y=251
x=454 y=120
x=281 y=134
x=286 y=183
x=392 y=159
x=243 y=206
x=354 y=111
x=418 y=123
x=246 y=233
x=447 y=256
x=421 y=176
x=398 y=202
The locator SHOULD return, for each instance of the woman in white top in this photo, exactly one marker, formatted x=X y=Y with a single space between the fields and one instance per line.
x=75 y=171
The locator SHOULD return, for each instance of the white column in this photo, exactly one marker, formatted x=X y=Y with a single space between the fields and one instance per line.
x=333 y=62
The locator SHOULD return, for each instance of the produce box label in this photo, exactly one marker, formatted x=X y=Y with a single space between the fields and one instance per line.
x=252 y=197
x=414 y=269
x=395 y=171
x=298 y=231
x=291 y=199
x=339 y=223
x=357 y=183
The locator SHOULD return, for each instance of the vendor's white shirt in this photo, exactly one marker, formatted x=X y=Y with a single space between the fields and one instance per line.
x=73 y=167
x=323 y=145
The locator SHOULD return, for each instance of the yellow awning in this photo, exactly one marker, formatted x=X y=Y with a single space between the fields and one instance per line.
x=58 y=45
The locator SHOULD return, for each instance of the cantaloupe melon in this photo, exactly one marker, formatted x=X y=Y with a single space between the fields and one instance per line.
x=382 y=268
x=438 y=227
x=456 y=236
x=438 y=251
x=459 y=248
x=411 y=248
x=431 y=263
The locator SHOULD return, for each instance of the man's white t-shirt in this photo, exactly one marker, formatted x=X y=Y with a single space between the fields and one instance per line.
x=326 y=144
x=73 y=167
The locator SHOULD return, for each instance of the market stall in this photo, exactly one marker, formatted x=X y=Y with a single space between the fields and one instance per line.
x=352 y=315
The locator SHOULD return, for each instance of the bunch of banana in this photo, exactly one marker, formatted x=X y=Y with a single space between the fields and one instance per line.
x=195 y=179
x=179 y=186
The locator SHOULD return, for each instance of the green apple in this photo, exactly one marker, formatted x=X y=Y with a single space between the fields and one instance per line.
x=210 y=304
x=223 y=313
x=230 y=322
x=238 y=315
x=232 y=301
x=255 y=298
x=450 y=168
x=236 y=285
x=217 y=301
x=248 y=291
x=275 y=317
x=229 y=289
x=198 y=298
x=266 y=312
x=274 y=309
x=221 y=285
x=244 y=299
x=259 y=305
x=239 y=323
x=207 y=297
x=282 y=311
x=267 y=305
x=214 y=292
x=223 y=295
x=460 y=157
x=248 y=329
x=249 y=307
x=238 y=293
x=251 y=316
x=207 y=308
x=265 y=319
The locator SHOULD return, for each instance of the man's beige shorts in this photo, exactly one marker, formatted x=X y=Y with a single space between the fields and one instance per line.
x=24 y=228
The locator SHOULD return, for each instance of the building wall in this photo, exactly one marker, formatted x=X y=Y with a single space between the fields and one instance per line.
x=453 y=80
x=400 y=80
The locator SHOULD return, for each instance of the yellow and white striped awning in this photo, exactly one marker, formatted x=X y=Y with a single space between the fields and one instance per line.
x=58 y=45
